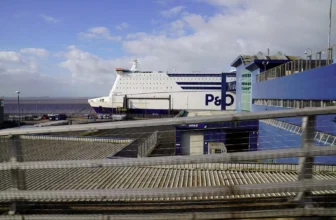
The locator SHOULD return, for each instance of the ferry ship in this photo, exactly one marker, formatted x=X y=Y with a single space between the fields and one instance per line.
x=158 y=92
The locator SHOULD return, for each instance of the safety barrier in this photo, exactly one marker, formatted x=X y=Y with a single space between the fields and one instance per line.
x=148 y=145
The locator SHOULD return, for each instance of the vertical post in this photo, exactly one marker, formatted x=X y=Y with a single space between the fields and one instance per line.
x=223 y=92
x=169 y=105
x=330 y=10
x=19 y=109
x=17 y=176
x=306 y=163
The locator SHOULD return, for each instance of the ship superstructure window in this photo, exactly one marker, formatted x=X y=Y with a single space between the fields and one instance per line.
x=294 y=103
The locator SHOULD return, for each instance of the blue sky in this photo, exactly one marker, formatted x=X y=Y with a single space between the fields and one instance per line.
x=24 y=24
x=71 y=48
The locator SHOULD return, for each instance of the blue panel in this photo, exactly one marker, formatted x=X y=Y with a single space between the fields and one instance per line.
x=273 y=138
x=253 y=140
x=324 y=123
x=223 y=93
x=248 y=125
x=202 y=88
x=199 y=83
x=178 y=142
x=305 y=85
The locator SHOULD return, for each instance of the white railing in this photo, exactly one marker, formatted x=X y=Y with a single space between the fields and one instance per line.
x=172 y=160
x=148 y=145
x=299 y=65
x=175 y=121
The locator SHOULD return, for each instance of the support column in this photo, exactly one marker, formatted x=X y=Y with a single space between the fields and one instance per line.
x=306 y=163
x=18 y=178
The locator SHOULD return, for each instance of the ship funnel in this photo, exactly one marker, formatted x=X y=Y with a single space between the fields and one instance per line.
x=134 y=65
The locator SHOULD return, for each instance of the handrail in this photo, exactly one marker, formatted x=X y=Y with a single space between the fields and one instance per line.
x=188 y=215
x=171 y=160
x=294 y=186
x=298 y=65
x=175 y=121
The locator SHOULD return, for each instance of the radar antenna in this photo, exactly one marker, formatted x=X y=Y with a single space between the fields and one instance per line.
x=261 y=56
x=281 y=56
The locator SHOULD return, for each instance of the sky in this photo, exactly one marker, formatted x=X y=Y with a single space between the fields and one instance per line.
x=71 y=48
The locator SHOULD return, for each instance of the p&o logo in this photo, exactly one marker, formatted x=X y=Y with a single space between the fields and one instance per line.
x=209 y=98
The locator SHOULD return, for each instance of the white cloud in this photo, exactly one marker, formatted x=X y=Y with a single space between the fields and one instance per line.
x=87 y=67
x=172 y=12
x=49 y=18
x=122 y=26
x=10 y=56
x=14 y=63
x=99 y=33
x=21 y=72
x=35 y=51
x=211 y=43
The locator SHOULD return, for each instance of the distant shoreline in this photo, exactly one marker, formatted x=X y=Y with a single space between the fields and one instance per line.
x=44 y=100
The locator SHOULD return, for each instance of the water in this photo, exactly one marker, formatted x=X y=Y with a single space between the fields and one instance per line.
x=47 y=106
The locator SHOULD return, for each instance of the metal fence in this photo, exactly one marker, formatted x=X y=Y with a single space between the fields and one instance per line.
x=323 y=58
x=148 y=145
x=76 y=178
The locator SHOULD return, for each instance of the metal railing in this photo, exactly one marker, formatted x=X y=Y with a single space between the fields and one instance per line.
x=148 y=145
x=303 y=187
x=323 y=58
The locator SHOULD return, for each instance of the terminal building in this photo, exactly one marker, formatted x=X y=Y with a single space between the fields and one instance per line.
x=222 y=137
x=284 y=82
x=266 y=83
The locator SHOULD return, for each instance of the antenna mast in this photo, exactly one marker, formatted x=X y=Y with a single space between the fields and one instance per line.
x=329 y=23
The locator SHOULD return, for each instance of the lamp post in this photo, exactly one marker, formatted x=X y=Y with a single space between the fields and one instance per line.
x=18 y=94
x=319 y=57
x=309 y=58
x=265 y=64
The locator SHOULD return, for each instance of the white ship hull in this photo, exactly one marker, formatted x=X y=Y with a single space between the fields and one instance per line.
x=157 y=93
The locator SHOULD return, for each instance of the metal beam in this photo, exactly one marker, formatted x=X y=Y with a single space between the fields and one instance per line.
x=141 y=193
x=186 y=215
x=173 y=160
x=176 y=121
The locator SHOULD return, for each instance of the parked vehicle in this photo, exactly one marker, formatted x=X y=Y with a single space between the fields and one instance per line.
x=57 y=117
